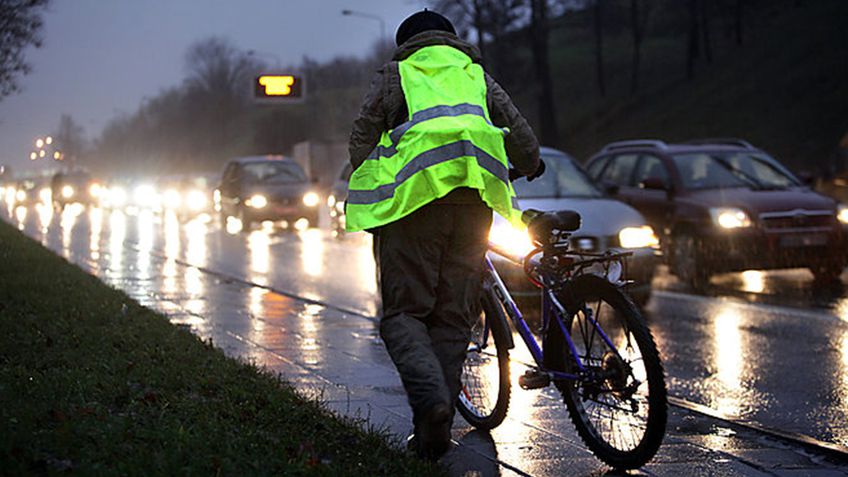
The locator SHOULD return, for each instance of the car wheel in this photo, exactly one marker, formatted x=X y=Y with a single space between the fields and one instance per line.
x=827 y=273
x=688 y=263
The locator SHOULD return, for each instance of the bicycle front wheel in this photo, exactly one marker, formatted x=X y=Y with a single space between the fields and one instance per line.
x=484 y=396
x=620 y=407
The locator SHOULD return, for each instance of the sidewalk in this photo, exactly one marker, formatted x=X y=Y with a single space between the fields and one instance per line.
x=337 y=357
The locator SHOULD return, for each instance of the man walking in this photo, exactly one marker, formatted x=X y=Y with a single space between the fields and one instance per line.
x=429 y=151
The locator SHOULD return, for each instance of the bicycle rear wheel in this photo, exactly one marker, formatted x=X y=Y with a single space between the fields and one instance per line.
x=484 y=396
x=621 y=414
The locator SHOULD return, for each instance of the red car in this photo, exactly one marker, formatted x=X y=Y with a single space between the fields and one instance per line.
x=723 y=205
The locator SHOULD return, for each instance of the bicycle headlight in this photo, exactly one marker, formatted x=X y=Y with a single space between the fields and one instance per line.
x=730 y=217
x=510 y=238
x=311 y=199
x=638 y=237
x=257 y=201
x=842 y=213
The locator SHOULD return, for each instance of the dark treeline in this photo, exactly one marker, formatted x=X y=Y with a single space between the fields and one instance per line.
x=584 y=72
x=211 y=116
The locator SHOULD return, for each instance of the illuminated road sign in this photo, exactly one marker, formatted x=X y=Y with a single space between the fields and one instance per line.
x=278 y=88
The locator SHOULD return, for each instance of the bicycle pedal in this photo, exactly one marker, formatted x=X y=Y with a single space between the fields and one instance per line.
x=533 y=379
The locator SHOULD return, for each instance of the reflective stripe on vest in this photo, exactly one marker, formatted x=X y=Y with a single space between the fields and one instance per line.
x=448 y=142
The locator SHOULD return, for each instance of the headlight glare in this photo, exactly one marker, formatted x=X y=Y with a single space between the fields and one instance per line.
x=196 y=200
x=842 y=214
x=638 y=237
x=510 y=238
x=67 y=192
x=730 y=217
x=257 y=201
x=311 y=199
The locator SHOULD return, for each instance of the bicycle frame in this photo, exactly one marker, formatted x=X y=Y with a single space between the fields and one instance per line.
x=552 y=313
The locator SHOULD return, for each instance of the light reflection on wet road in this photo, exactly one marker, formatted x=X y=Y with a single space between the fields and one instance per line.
x=763 y=347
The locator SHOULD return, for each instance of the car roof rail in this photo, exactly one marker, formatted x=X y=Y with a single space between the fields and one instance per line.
x=724 y=141
x=652 y=143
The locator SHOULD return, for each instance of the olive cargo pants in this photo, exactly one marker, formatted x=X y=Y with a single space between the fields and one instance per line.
x=431 y=265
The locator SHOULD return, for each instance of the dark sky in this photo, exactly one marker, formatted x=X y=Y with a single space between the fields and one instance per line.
x=101 y=57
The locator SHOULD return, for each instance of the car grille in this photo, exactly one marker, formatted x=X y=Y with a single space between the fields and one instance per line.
x=797 y=220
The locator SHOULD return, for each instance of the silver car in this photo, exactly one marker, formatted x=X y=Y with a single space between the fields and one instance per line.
x=608 y=224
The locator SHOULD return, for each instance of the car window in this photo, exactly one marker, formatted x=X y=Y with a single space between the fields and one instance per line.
x=702 y=171
x=758 y=168
x=273 y=172
x=596 y=166
x=562 y=178
x=620 y=169
x=651 y=167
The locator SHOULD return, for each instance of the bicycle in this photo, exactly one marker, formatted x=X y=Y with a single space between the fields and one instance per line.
x=596 y=348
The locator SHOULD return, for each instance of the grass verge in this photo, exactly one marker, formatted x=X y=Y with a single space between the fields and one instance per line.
x=94 y=383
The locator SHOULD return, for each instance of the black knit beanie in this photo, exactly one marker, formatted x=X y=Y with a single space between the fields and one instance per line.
x=420 y=22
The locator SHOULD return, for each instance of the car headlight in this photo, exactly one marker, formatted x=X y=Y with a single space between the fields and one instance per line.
x=46 y=195
x=20 y=195
x=117 y=196
x=638 y=237
x=144 y=195
x=196 y=200
x=67 y=192
x=172 y=198
x=311 y=199
x=331 y=201
x=511 y=239
x=95 y=190
x=730 y=217
x=257 y=201
x=842 y=213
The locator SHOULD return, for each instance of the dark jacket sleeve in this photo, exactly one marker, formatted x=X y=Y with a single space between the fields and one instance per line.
x=371 y=122
x=522 y=147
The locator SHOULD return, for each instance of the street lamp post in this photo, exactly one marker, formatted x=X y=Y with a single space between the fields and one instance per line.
x=354 y=13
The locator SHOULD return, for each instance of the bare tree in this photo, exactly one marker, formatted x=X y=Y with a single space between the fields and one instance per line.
x=539 y=41
x=490 y=20
x=598 y=24
x=20 y=27
x=693 y=46
x=636 y=29
x=705 y=29
x=69 y=139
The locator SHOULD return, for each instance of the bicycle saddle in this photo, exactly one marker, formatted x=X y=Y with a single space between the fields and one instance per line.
x=543 y=225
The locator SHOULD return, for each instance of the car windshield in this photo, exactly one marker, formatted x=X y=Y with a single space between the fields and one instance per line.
x=562 y=178
x=273 y=172
x=716 y=170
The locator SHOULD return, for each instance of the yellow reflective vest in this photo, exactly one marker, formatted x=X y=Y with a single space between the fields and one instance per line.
x=448 y=142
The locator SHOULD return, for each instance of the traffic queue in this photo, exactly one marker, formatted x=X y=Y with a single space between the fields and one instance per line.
x=701 y=207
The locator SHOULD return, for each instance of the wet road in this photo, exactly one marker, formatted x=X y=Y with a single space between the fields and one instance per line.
x=768 y=348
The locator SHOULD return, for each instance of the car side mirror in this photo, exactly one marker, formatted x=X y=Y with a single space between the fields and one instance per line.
x=610 y=188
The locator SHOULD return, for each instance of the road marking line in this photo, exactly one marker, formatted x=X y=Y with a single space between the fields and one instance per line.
x=782 y=310
x=830 y=448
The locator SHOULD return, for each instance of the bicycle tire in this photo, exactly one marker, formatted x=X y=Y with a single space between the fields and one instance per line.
x=588 y=289
x=483 y=412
